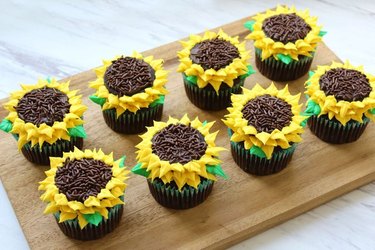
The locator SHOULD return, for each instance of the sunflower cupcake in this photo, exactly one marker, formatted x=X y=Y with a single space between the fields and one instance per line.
x=285 y=42
x=179 y=158
x=264 y=127
x=130 y=91
x=46 y=120
x=213 y=67
x=85 y=193
x=341 y=102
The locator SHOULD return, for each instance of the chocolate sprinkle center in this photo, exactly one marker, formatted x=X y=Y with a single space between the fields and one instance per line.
x=128 y=76
x=345 y=84
x=267 y=113
x=79 y=179
x=179 y=144
x=214 y=53
x=44 y=105
x=285 y=28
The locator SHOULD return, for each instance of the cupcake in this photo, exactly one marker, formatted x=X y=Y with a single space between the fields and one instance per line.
x=85 y=193
x=341 y=102
x=179 y=158
x=285 y=42
x=131 y=92
x=213 y=67
x=45 y=119
x=264 y=127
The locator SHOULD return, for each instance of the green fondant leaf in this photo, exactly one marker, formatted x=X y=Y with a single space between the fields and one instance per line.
x=204 y=123
x=257 y=151
x=303 y=123
x=122 y=162
x=284 y=58
x=249 y=25
x=312 y=108
x=372 y=111
x=137 y=169
x=158 y=101
x=322 y=33
x=48 y=79
x=94 y=219
x=97 y=100
x=250 y=71
x=311 y=73
x=6 y=125
x=216 y=170
x=77 y=131
x=192 y=79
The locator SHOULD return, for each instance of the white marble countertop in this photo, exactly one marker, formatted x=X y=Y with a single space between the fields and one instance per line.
x=61 y=38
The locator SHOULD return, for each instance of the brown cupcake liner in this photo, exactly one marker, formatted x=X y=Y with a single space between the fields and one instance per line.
x=256 y=165
x=133 y=123
x=276 y=70
x=41 y=155
x=72 y=229
x=207 y=98
x=332 y=131
x=169 y=196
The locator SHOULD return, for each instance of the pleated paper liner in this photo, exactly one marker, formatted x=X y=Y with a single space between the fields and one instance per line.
x=72 y=229
x=276 y=70
x=332 y=131
x=256 y=165
x=41 y=155
x=207 y=98
x=169 y=196
x=133 y=123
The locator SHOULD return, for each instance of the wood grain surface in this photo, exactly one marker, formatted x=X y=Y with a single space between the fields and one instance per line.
x=237 y=208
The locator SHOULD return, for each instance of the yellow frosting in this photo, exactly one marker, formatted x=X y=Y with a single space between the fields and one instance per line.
x=28 y=132
x=107 y=198
x=139 y=100
x=343 y=111
x=269 y=47
x=225 y=75
x=189 y=173
x=242 y=132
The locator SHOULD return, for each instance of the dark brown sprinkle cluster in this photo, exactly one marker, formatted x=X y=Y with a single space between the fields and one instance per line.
x=285 y=28
x=44 y=105
x=179 y=143
x=214 y=53
x=345 y=84
x=128 y=76
x=267 y=113
x=79 y=179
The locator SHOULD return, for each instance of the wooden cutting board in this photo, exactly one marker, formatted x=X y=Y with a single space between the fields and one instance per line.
x=237 y=209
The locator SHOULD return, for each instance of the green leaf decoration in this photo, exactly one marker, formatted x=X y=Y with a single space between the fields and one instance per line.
x=249 y=25
x=48 y=79
x=158 y=101
x=322 y=33
x=97 y=100
x=140 y=171
x=94 y=219
x=312 y=108
x=311 y=73
x=6 y=125
x=257 y=151
x=192 y=79
x=204 y=123
x=372 y=111
x=250 y=71
x=304 y=122
x=284 y=58
x=216 y=170
x=229 y=132
x=77 y=131
x=122 y=162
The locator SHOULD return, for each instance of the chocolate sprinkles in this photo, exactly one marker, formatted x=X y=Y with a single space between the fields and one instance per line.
x=285 y=28
x=44 y=105
x=345 y=84
x=128 y=76
x=267 y=113
x=179 y=144
x=214 y=53
x=79 y=179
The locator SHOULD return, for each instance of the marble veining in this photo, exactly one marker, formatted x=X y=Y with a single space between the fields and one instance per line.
x=61 y=38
